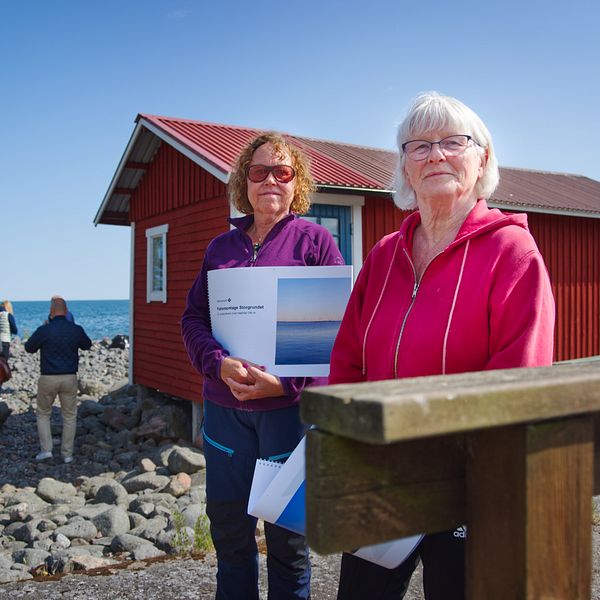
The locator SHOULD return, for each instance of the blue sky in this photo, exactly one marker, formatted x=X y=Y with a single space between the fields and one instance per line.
x=73 y=76
x=312 y=299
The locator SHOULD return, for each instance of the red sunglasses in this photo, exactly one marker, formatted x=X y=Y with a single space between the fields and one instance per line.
x=282 y=173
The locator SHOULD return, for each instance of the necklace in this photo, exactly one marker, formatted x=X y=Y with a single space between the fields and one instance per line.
x=256 y=239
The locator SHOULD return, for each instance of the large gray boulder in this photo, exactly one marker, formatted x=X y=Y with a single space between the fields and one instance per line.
x=89 y=511
x=150 y=529
x=145 y=481
x=12 y=575
x=186 y=460
x=156 y=498
x=139 y=548
x=112 y=493
x=85 y=530
x=35 y=503
x=55 y=492
x=18 y=512
x=147 y=551
x=192 y=513
x=91 y=387
x=90 y=485
x=30 y=557
x=113 y=521
x=89 y=407
x=24 y=532
x=84 y=562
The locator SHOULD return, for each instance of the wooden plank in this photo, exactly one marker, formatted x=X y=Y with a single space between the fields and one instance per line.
x=346 y=477
x=529 y=493
x=496 y=513
x=359 y=494
x=559 y=509
x=387 y=411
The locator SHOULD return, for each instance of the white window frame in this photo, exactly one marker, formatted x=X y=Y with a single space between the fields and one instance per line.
x=355 y=203
x=151 y=234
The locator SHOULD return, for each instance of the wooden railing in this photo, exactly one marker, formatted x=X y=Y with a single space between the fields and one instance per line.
x=511 y=454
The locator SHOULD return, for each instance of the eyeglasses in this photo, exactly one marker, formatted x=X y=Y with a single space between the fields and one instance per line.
x=282 y=173
x=452 y=145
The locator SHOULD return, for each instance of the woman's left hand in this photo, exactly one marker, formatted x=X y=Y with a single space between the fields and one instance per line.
x=265 y=385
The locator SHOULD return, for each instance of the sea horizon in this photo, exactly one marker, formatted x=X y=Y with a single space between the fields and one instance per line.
x=305 y=342
x=99 y=318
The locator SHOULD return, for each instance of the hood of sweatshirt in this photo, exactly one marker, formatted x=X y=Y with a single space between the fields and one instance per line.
x=479 y=221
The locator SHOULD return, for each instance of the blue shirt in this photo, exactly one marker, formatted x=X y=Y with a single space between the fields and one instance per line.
x=59 y=342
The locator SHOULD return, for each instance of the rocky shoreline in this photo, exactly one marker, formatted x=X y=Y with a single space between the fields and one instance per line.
x=135 y=490
x=125 y=518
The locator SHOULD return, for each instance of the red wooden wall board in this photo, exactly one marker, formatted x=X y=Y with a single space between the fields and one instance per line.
x=571 y=249
x=193 y=203
x=173 y=181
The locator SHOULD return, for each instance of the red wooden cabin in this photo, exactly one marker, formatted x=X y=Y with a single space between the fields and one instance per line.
x=170 y=188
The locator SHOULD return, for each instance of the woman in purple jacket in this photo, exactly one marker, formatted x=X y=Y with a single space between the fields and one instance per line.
x=248 y=412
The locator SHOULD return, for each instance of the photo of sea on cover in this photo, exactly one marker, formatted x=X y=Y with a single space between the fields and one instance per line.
x=309 y=313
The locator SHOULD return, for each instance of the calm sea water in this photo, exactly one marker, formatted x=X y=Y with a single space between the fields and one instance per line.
x=305 y=342
x=99 y=318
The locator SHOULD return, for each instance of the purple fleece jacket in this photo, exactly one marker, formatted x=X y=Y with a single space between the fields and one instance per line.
x=291 y=242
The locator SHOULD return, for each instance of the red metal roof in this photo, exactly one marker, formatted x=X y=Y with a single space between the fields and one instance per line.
x=552 y=191
x=345 y=167
x=339 y=165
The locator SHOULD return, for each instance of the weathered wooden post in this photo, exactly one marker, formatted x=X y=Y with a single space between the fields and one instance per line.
x=508 y=453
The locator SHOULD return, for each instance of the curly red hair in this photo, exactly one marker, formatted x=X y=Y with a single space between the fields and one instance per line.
x=238 y=185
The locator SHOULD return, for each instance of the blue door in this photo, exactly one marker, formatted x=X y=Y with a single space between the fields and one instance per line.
x=337 y=220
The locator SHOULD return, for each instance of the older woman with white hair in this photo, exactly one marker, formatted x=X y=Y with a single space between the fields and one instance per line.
x=460 y=287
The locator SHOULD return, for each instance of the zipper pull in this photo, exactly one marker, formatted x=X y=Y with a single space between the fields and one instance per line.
x=255 y=249
x=415 y=289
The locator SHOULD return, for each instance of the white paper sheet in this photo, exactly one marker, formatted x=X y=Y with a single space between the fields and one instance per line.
x=282 y=318
x=279 y=483
x=389 y=554
x=275 y=486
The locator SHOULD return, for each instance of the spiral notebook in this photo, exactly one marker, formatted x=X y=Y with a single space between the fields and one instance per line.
x=278 y=496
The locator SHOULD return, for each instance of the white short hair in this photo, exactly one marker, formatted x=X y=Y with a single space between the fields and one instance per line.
x=432 y=112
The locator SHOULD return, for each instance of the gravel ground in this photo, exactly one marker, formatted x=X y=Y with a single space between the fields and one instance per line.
x=173 y=579
x=183 y=578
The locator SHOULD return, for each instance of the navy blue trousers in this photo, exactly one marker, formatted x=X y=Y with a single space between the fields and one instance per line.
x=443 y=556
x=233 y=440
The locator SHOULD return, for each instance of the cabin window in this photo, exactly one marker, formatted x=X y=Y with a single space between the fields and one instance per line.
x=156 y=263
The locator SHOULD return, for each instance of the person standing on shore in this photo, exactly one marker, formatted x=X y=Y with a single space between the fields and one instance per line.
x=248 y=412
x=68 y=315
x=59 y=343
x=8 y=327
x=460 y=287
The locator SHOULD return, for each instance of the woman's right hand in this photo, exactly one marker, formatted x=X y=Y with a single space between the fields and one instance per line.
x=236 y=369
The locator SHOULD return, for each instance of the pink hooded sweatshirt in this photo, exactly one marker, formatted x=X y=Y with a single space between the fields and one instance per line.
x=485 y=302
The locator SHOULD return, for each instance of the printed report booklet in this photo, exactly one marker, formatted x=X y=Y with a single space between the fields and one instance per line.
x=283 y=318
